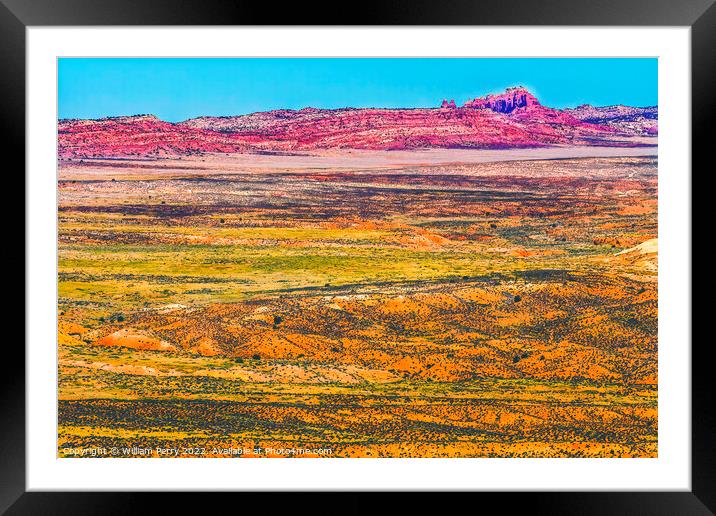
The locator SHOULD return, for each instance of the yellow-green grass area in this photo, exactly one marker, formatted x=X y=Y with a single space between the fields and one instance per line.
x=188 y=274
x=323 y=235
x=158 y=273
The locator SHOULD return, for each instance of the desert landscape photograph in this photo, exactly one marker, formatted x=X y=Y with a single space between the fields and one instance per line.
x=357 y=258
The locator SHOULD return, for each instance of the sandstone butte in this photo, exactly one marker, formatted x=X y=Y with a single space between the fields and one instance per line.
x=513 y=119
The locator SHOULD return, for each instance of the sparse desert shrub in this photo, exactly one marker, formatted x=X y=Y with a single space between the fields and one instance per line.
x=116 y=317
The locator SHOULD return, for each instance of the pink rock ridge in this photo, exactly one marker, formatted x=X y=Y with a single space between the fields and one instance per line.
x=509 y=120
x=139 y=135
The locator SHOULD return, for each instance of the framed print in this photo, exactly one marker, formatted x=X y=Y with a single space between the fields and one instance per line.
x=437 y=250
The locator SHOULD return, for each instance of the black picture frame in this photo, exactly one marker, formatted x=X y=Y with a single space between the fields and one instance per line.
x=700 y=15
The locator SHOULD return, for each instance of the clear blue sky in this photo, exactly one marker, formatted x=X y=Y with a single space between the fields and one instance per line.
x=177 y=89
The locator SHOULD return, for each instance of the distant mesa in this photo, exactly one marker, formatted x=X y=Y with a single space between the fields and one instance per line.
x=626 y=119
x=506 y=102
